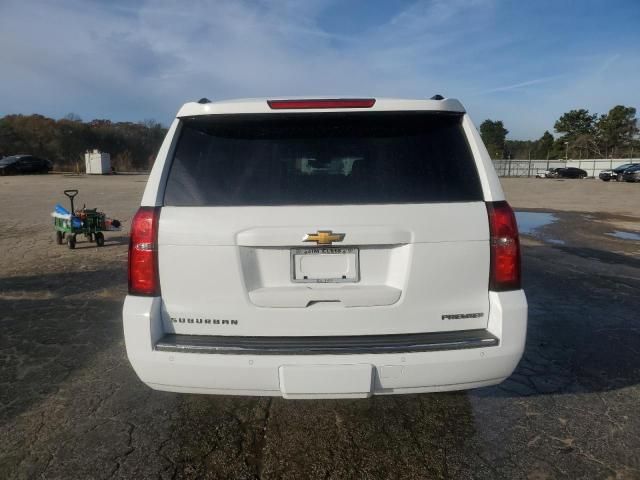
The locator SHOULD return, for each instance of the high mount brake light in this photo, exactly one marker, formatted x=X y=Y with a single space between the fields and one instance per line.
x=143 y=253
x=505 y=271
x=321 y=103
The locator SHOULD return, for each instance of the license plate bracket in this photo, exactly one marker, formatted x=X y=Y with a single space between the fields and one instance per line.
x=325 y=265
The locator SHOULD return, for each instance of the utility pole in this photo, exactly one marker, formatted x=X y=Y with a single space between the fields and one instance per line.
x=566 y=151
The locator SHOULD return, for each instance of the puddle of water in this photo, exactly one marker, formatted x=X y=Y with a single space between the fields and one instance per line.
x=529 y=222
x=625 y=235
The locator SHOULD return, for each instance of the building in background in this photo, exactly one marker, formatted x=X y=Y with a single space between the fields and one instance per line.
x=97 y=162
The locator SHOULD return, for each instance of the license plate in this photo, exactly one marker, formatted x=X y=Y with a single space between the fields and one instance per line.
x=325 y=264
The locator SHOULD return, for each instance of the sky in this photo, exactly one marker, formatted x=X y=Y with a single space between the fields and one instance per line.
x=522 y=62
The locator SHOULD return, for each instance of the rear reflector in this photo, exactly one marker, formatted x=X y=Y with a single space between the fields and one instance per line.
x=143 y=253
x=322 y=103
x=505 y=248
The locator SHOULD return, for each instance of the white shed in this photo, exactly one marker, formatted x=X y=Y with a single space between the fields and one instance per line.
x=97 y=162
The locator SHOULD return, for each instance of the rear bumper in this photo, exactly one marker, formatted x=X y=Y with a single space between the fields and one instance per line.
x=345 y=345
x=426 y=363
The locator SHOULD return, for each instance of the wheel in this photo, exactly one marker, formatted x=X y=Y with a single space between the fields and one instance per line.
x=582 y=177
x=606 y=179
x=71 y=241
x=100 y=239
x=58 y=237
x=619 y=178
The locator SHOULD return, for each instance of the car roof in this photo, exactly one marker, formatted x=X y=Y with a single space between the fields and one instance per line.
x=259 y=105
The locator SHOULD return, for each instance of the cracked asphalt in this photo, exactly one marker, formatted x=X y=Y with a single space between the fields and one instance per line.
x=71 y=406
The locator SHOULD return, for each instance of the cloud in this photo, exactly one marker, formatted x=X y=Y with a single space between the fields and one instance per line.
x=129 y=61
x=165 y=53
x=527 y=83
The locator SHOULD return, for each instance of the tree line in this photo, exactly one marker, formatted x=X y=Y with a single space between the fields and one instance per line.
x=579 y=134
x=132 y=146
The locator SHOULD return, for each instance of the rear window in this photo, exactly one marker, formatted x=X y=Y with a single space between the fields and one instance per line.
x=322 y=159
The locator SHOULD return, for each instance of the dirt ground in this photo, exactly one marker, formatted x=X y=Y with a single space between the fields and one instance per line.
x=71 y=406
x=589 y=195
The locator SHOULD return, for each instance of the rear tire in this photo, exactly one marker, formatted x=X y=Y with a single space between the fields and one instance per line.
x=58 y=237
x=71 y=241
x=100 y=239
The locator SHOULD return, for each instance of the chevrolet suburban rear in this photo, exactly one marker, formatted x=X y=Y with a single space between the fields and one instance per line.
x=323 y=248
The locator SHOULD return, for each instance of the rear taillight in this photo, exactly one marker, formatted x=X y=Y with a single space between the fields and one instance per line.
x=505 y=248
x=143 y=253
x=321 y=103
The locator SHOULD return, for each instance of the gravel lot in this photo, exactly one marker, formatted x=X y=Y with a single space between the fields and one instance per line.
x=589 y=195
x=71 y=406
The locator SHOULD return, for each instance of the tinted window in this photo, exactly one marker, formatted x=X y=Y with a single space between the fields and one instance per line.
x=623 y=167
x=322 y=159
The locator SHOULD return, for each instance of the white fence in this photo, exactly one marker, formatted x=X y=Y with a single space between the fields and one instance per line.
x=529 y=168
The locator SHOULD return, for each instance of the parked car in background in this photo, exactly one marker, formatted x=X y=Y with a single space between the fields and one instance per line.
x=632 y=174
x=615 y=173
x=23 y=164
x=570 y=172
x=549 y=173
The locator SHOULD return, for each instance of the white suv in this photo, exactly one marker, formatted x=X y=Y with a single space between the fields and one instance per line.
x=326 y=248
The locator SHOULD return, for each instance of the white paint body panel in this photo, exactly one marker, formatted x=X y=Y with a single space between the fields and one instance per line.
x=311 y=381
x=259 y=105
x=441 y=267
x=260 y=374
x=417 y=263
